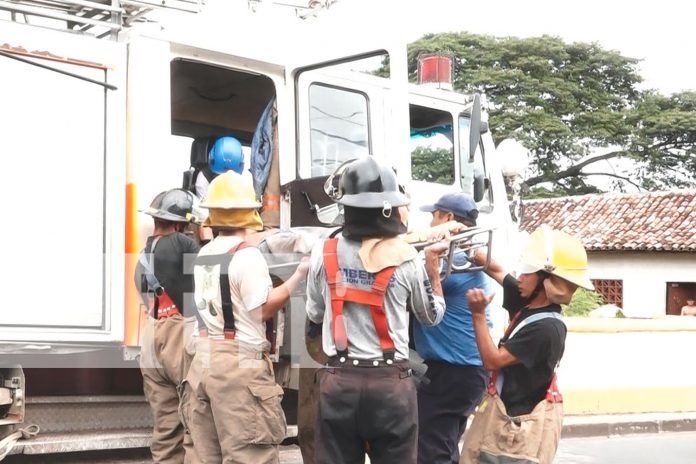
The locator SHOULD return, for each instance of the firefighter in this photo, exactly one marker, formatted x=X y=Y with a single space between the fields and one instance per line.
x=231 y=400
x=225 y=155
x=553 y=267
x=165 y=281
x=360 y=288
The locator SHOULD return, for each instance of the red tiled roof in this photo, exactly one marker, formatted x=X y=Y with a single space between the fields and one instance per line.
x=657 y=221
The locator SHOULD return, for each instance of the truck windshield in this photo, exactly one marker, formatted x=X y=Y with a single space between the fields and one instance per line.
x=432 y=147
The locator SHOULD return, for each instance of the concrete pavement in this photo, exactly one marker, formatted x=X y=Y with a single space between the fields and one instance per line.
x=620 y=424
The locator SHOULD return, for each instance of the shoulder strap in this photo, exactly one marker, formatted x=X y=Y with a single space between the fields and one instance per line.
x=147 y=260
x=374 y=298
x=334 y=280
x=534 y=318
x=224 y=260
x=497 y=378
x=149 y=283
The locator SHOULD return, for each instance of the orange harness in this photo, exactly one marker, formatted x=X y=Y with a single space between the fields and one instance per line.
x=374 y=298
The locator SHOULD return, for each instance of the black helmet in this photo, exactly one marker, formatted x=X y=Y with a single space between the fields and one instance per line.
x=175 y=205
x=366 y=183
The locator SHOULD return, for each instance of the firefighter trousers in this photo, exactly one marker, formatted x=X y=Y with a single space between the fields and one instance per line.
x=164 y=364
x=365 y=410
x=231 y=405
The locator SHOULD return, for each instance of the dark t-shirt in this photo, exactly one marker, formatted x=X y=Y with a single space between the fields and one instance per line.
x=172 y=269
x=538 y=346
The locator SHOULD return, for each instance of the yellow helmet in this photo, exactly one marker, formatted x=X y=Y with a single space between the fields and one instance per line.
x=231 y=191
x=556 y=253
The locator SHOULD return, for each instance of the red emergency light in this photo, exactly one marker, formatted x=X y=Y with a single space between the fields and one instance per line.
x=435 y=68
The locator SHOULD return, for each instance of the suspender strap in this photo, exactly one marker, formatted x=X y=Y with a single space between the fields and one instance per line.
x=334 y=280
x=150 y=283
x=552 y=393
x=496 y=382
x=373 y=298
x=379 y=317
x=224 y=261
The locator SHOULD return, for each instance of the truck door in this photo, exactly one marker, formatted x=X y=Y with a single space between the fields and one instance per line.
x=343 y=112
x=62 y=119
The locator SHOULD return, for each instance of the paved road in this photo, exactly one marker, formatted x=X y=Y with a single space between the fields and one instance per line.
x=664 y=448
x=672 y=448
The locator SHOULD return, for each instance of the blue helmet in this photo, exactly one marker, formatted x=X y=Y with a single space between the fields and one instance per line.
x=226 y=155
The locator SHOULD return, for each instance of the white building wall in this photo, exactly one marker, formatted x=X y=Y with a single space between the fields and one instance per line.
x=645 y=276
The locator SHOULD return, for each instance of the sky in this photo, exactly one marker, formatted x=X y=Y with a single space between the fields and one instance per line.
x=659 y=32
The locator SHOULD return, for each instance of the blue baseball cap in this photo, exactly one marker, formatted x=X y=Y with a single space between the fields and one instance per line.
x=458 y=203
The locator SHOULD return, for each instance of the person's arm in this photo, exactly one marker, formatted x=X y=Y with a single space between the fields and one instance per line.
x=432 y=265
x=439 y=244
x=279 y=295
x=683 y=311
x=427 y=307
x=316 y=306
x=493 y=358
x=494 y=269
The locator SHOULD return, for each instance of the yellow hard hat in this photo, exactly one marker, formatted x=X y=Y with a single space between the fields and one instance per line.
x=231 y=191
x=557 y=253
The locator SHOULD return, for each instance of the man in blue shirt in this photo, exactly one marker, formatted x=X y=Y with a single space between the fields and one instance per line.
x=457 y=379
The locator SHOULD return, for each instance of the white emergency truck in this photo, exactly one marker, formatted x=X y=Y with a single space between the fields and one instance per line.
x=101 y=109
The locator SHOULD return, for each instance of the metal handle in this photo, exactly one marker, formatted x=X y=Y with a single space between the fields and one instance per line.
x=464 y=242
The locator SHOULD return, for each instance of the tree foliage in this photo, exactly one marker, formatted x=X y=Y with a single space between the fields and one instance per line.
x=433 y=165
x=582 y=303
x=573 y=105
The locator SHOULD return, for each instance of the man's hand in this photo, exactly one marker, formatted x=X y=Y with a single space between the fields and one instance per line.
x=478 y=300
x=439 y=243
x=479 y=257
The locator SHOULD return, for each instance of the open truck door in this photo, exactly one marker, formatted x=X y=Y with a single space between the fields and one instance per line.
x=62 y=116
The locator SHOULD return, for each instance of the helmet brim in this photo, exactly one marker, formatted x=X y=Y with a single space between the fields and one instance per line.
x=577 y=277
x=231 y=204
x=165 y=216
x=374 y=199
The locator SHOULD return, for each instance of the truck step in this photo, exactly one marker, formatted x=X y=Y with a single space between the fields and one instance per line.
x=65 y=414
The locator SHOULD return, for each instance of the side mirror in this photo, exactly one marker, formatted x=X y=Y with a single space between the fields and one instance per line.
x=475 y=127
x=480 y=184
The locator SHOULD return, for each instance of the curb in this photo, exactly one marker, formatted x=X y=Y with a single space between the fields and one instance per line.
x=617 y=426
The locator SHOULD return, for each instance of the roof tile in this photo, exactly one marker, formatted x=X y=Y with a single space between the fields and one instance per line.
x=659 y=221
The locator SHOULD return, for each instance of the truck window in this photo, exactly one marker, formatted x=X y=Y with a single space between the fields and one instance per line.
x=338 y=122
x=432 y=147
x=473 y=171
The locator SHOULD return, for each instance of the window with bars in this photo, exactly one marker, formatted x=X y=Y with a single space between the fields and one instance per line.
x=611 y=291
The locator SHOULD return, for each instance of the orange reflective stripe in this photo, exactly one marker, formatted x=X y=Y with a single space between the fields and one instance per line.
x=271 y=202
x=331 y=260
x=355 y=295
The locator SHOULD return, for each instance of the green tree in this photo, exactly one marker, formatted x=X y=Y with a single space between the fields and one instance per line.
x=582 y=303
x=573 y=105
x=433 y=165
